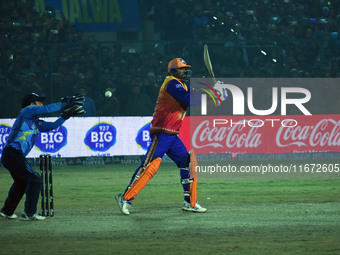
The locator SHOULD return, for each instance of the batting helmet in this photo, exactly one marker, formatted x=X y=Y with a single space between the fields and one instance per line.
x=177 y=63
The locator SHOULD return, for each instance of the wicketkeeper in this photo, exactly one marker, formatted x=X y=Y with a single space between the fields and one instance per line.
x=21 y=140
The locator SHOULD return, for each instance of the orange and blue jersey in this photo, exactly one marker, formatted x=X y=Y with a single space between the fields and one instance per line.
x=171 y=107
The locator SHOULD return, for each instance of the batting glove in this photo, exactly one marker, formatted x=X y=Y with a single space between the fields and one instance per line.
x=221 y=91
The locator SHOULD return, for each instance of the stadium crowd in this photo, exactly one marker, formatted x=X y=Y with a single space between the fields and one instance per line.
x=260 y=38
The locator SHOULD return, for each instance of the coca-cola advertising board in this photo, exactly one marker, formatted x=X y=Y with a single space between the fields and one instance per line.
x=262 y=134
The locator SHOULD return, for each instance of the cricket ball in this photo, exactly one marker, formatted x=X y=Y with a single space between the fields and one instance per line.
x=108 y=93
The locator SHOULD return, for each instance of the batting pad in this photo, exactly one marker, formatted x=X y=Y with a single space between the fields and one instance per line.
x=140 y=183
x=193 y=175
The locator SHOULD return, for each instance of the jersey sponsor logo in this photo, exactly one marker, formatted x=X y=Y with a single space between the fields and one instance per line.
x=35 y=129
x=4 y=133
x=143 y=139
x=52 y=141
x=101 y=137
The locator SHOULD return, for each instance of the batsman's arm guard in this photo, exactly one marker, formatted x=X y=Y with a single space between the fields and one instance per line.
x=143 y=179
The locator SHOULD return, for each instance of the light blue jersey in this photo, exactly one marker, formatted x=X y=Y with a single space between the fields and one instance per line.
x=28 y=126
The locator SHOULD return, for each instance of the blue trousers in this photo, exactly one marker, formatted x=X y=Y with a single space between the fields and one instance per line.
x=26 y=181
x=172 y=146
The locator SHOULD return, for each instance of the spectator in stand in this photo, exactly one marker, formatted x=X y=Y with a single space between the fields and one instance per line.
x=89 y=104
x=259 y=38
x=151 y=86
x=138 y=103
x=110 y=104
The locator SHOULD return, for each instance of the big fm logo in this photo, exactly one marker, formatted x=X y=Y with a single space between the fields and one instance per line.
x=143 y=139
x=4 y=133
x=101 y=137
x=52 y=141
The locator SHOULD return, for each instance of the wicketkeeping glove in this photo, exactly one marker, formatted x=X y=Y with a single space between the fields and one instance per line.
x=72 y=111
x=70 y=101
x=222 y=92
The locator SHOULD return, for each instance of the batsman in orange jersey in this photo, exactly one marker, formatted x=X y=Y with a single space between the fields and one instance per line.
x=171 y=107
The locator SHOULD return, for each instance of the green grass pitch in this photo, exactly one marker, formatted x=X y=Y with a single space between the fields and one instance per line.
x=245 y=215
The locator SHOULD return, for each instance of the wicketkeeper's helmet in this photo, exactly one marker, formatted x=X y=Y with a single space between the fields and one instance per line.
x=31 y=98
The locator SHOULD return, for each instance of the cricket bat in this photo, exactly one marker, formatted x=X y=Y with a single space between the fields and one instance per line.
x=207 y=62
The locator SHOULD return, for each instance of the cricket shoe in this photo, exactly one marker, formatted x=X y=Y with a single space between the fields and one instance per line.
x=11 y=217
x=123 y=204
x=34 y=217
x=197 y=208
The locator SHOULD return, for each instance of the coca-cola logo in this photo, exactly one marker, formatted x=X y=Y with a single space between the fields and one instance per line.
x=223 y=137
x=325 y=133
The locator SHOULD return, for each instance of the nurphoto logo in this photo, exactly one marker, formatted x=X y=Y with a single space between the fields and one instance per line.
x=239 y=99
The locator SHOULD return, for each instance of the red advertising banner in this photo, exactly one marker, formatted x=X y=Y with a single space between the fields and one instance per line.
x=262 y=134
